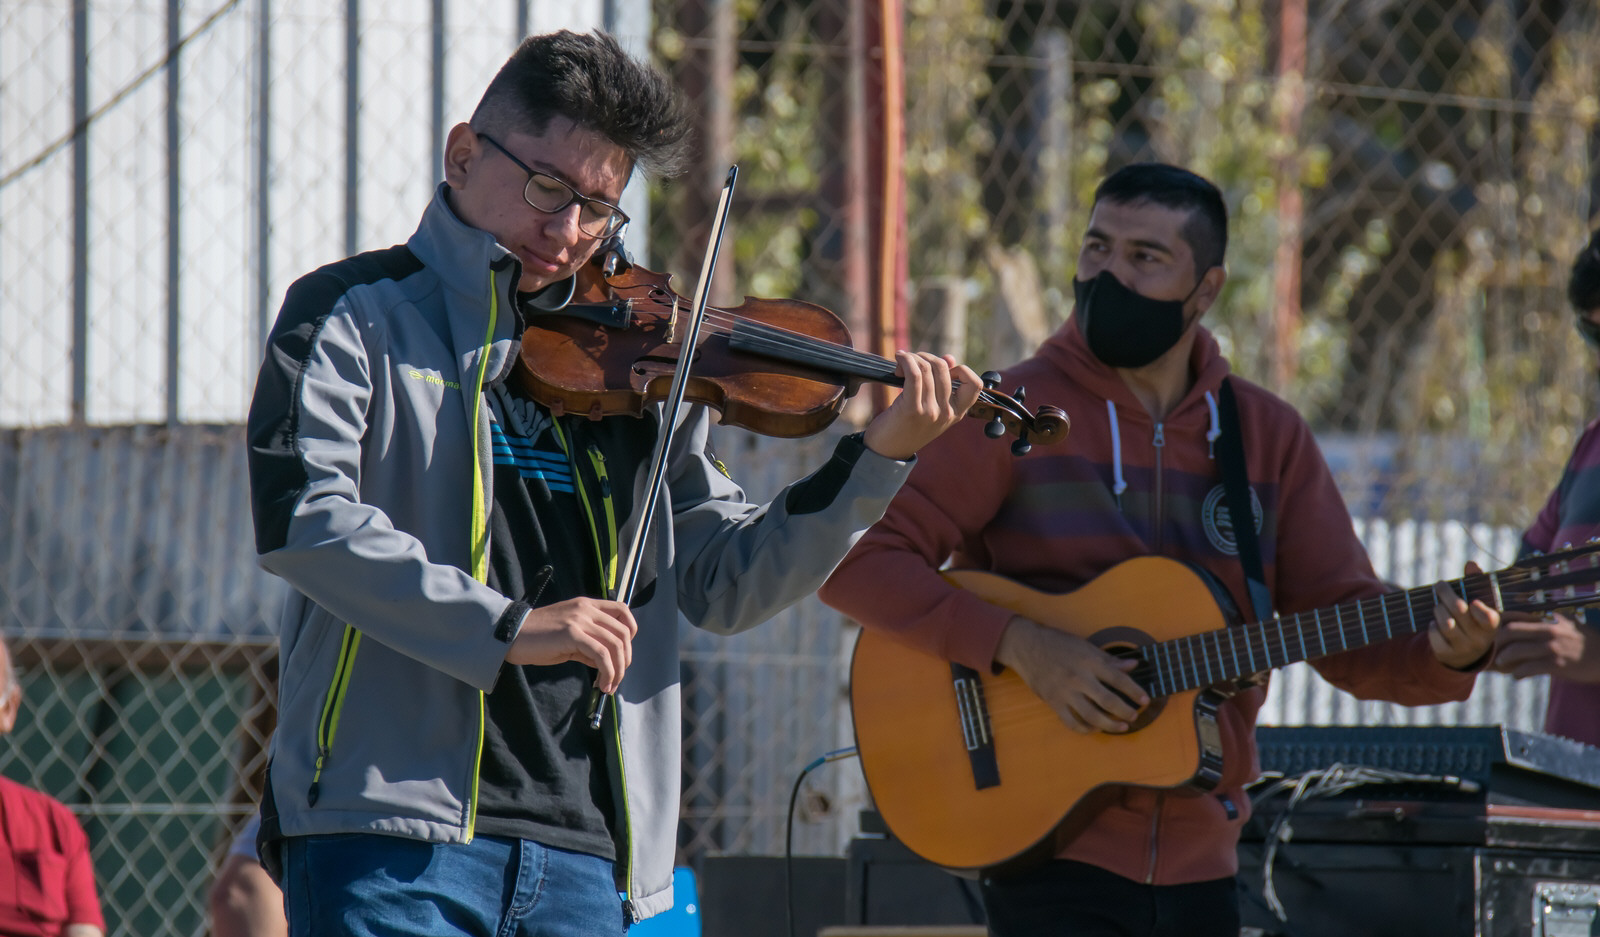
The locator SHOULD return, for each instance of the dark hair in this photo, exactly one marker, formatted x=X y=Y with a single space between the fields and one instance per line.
x=588 y=79
x=1206 y=231
x=1583 y=289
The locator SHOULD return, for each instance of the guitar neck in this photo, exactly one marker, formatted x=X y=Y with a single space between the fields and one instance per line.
x=1230 y=654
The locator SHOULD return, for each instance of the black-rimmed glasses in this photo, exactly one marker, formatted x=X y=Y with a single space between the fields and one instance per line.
x=548 y=194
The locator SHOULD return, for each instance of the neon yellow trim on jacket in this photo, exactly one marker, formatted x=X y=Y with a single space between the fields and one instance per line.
x=333 y=705
x=480 y=530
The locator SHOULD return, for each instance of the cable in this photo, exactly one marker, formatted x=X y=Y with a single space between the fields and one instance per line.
x=1327 y=782
x=788 y=836
x=82 y=126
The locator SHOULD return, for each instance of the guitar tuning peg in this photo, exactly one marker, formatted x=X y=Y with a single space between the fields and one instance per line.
x=990 y=379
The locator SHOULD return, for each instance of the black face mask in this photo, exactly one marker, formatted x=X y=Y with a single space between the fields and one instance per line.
x=1125 y=329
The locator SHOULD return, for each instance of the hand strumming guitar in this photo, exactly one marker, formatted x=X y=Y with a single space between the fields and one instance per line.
x=1089 y=689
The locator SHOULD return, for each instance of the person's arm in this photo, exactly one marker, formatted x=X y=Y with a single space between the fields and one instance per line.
x=1556 y=646
x=84 y=917
x=738 y=564
x=308 y=421
x=245 y=902
x=1320 y=562
x=890 y=579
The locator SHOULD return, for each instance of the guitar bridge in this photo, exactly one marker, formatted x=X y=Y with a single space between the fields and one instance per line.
x=974 y=713
x=973 y=710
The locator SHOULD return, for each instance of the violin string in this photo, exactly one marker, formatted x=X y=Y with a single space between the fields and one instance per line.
x=783 y=341
x=724 y=322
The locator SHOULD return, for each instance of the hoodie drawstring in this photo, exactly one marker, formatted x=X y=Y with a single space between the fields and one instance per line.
x=1216 y=427
x=1119 y=484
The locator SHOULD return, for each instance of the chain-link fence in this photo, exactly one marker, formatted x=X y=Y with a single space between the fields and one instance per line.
x=1408 y=183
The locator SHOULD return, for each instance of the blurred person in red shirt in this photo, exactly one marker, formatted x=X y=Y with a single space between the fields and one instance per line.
x=46 y=878
x=1561 y=646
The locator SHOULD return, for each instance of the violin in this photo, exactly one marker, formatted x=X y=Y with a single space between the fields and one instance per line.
x=776 y=367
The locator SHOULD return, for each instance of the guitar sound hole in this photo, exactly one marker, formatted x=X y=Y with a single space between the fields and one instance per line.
x=1146 y=716
x=1151 y=712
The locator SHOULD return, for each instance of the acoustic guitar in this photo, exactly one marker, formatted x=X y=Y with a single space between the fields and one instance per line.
x=974 y=772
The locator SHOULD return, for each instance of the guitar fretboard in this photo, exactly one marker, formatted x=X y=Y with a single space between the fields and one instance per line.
x=1230 y=654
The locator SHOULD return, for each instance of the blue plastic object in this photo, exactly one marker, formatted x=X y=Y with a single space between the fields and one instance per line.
x=683 y=918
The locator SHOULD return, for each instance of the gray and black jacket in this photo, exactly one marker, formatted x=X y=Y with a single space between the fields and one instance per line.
x=371 y=474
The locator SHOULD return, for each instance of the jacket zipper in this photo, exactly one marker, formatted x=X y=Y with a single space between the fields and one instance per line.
x=332 y=708
x=1160 y=443
x=1155 y=836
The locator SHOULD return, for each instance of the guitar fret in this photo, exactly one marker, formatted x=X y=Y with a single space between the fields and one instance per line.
x=1411 y=611
x=1234 y=646
x=1249 y=654
x=1320 y=636
x=1266 y=645
x=1305 y=652
x=1283 y=640
x=1165 y=649
x=1206 y=656
x=1189 y=646
x=1494 y=586
x=1316 y=619
x=1361 y=618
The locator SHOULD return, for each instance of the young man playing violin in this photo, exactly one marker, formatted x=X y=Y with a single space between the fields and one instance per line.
x=1137 y=477
x=451 y=547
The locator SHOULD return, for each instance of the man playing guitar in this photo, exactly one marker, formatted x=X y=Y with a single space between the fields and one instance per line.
x=1138 y=476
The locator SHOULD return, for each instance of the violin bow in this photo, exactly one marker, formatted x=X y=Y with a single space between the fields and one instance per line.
x=669 y=420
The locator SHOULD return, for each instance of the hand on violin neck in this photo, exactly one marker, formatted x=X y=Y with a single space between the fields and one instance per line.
x=929 y=403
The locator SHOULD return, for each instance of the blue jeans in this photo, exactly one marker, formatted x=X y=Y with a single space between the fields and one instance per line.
x=365 y=885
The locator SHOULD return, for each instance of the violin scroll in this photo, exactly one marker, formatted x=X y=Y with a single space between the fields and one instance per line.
x=1005 y=415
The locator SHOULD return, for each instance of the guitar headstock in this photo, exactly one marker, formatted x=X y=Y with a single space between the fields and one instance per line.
x=1545 y=582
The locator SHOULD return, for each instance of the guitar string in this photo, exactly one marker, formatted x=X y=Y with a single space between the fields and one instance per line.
x=1005 y=698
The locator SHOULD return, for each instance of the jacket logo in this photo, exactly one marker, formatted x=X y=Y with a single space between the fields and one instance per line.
x=1218 y=520
x=428 y=378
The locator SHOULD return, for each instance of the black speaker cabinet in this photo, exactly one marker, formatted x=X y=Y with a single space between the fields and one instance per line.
x=743 y=896
x=888 y=886
x=1417 y=869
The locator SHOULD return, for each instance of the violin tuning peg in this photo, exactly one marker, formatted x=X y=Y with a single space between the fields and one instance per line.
x=995 y=428
x=1021 y=393
x=990 y=379
x=1021 y=446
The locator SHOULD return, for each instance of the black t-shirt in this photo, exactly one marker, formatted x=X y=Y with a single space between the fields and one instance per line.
x=544 y=773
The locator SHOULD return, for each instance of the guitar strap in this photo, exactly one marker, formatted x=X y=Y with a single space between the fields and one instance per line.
x=1241 y=506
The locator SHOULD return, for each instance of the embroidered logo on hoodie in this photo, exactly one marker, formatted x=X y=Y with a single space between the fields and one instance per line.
x=1218 y=520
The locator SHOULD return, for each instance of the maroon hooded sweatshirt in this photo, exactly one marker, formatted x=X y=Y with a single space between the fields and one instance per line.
x=1122 y=486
